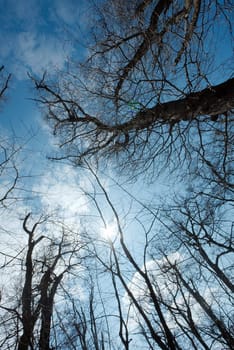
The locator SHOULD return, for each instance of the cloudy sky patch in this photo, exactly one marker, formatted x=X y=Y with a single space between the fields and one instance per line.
x=28 y=43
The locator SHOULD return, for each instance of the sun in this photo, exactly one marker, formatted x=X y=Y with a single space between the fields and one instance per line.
x=109 y=231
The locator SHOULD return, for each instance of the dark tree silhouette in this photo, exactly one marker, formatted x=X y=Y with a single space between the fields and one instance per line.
x=26 y=322
x=9 y=151
x=181 y=294
x=153 y=77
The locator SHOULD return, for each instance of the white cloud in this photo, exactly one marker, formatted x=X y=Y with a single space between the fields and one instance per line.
x=30 y=40
x=162 y=282
x=38 y=53
x=154 y=270
x=71 y=12
x=35 y=37
x=166 y=285
x=59 y=189
x=29 y=51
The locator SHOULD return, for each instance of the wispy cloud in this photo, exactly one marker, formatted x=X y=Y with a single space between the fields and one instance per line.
x=38 y=52
x=59 y=189
x=72 y=13
x=29 y=51
x=67 y=11
x=31 y=39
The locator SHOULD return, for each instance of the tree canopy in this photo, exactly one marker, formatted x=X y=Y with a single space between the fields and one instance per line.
x=130 y=267
x=155 y=73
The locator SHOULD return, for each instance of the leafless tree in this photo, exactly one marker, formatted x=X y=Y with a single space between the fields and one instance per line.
x=9 y=173
x=180 y=294
x=84 y=324
x=153 y=84
x=176 y=292
x=47 y=262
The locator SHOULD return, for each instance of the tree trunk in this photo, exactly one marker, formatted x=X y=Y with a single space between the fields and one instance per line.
x=211 y=101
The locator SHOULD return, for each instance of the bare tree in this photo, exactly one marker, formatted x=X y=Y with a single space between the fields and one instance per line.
x=9 y=173
x=175 y=292
x=180 y=295
x=48 y=260
x=84 y=324
x=150 y=85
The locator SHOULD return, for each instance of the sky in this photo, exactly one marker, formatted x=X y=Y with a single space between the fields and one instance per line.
x=33 y=39
x=37 y=36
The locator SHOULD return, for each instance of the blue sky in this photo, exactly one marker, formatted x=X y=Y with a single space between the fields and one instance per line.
x=34 y=39
x=37 y=36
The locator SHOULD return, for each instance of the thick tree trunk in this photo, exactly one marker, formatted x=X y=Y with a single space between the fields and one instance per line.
x=25 y=340
x=211 y=101
x=29 y=315
x=47 y=302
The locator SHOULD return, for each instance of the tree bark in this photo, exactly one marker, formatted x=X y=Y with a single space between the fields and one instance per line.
x=212 y=101
x=25 y=340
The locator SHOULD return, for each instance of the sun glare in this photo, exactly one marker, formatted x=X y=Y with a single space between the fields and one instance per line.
x=109 y=231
